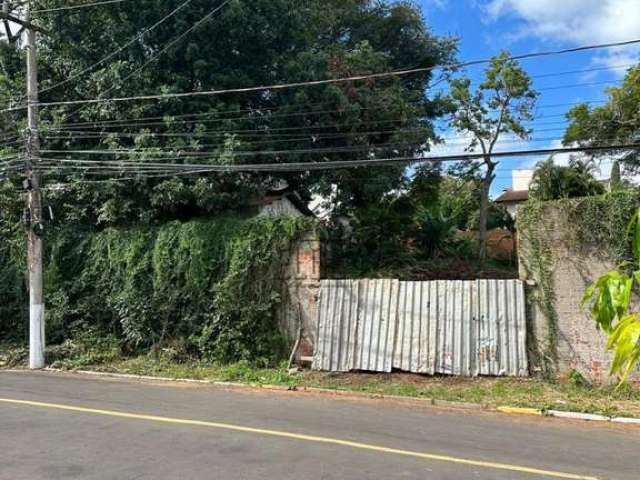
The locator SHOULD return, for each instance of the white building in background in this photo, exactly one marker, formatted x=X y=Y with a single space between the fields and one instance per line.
x=519 y=191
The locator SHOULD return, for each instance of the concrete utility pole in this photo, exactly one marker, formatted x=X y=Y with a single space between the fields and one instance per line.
x=34 y=204
x=33 y=183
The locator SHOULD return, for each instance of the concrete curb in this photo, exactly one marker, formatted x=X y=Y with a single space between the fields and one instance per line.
x=578 y=416
x=354 y=394
x=633 y=421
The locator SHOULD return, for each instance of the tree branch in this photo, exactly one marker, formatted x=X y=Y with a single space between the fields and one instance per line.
x=503 y=110
x=12 y=18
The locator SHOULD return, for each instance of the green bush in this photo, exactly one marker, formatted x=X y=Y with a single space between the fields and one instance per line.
x=213 y=286
x=13 y=293
x=433 y=231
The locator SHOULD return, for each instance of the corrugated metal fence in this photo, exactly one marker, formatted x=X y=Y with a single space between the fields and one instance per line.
x=452 y=327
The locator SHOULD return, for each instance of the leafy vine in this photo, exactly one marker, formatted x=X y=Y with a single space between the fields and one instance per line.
x=212 y=286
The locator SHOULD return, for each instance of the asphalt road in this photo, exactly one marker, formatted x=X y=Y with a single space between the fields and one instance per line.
x=56 y=426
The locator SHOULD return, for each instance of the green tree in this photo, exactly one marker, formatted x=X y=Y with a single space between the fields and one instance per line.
x=552 y=182
x=615 y=122
x=498 y=106
x=249 y=43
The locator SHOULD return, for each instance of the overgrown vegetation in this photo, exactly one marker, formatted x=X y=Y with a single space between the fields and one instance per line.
x=176 y=286
x=418 y=234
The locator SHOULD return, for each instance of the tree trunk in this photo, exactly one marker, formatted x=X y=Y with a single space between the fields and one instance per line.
x=487 y=180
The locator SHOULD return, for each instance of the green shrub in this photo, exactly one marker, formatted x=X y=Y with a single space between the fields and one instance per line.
x=13 y=293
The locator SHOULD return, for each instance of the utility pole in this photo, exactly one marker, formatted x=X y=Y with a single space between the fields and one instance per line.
x=33 y=183
x=34 y=205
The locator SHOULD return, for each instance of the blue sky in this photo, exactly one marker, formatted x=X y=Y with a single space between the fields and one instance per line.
x=487 y=26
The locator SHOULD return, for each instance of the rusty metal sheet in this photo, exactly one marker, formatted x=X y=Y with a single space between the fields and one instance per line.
x=466 y=328
x=376 y=326
x=336 y=342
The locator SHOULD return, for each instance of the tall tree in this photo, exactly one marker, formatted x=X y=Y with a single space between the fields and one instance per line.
x=615 y=122
x=498 y=106
x=247 y=43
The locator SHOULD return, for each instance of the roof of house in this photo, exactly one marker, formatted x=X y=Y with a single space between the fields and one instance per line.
x=273 y=196
x=513 y=196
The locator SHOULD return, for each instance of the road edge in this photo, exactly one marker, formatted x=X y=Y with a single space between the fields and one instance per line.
x=504 y=409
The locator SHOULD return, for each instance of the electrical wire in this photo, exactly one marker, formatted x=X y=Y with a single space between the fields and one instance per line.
x=277 y=109
x=170 y=122
x=173 y=42
x=156 y=55
x=182 y=153
x=119 y=50
x=269 y=132
x=244 y=138
x=316 y=151
x=282 y=86
x=344 y=164
x=74 y=7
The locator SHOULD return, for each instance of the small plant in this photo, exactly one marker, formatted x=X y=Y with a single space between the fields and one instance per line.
x=576 y=379
x=611 y=298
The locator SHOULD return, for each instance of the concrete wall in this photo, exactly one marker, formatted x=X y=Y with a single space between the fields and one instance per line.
x=580 y=345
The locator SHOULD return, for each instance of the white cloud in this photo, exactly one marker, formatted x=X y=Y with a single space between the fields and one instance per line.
x=439 y=4
x=615 y=59
x=577 y=22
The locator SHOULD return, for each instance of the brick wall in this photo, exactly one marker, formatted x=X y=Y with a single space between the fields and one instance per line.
x=302 y=285
x=580 y=345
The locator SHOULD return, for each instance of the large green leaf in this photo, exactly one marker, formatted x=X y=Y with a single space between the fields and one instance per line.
x=633 y=230
x=625 y=342
x=610 y=297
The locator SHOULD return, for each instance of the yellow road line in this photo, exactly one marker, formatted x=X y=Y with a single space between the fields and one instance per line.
x=307 y=438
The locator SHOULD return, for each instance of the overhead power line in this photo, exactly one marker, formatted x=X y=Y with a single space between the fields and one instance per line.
x=342 y=164
x=300 y=151
x=585 y=70
x=173 y=42
x=221 y=137
x=75 y=7
x=157 y=55
x=267 y=131
x=283 y=86
x=265 y=113
x=205 y=118
x=120 y=49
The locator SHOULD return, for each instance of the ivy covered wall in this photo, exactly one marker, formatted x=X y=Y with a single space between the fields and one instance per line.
x=213 y=285
x=563 y=246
